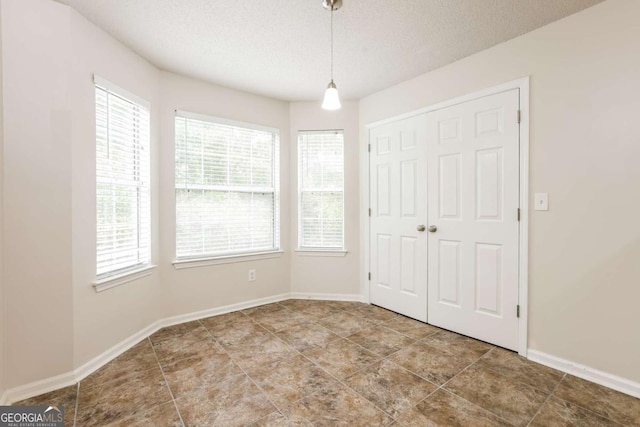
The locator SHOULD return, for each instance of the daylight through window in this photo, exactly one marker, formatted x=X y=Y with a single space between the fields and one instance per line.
x=321 y=190
x=226 y=178
x=122 y=182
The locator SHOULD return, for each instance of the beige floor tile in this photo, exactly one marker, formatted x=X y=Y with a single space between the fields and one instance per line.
x=410 y=327
x=307 y=336
x=390 y=387
x=336 y=405
x=165 y=415
x=113 y=401
x=276 y=419
x=458 y=345
x=239 y=333
x=558 y=413
x=308 y=362
x=374 y=313
x=312 y=309
x=511 y=400
x=277 y=321
x=263 y=309
x=431 y=363
x=348 y=306
x=289 y=379
x=319 y=312
x=518 y=368
x=443 y=409
x=342 y=358
x=224 y=321
x=345 y=323
x=235 y=401
x=297 y=304
x=197 y=372
x=380 y=340
x=260 y=350
x=138 y=358
x=606 y=402
x=194 y=343
x=174 y=331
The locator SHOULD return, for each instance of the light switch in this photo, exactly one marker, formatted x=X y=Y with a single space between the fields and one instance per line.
x=541 y=202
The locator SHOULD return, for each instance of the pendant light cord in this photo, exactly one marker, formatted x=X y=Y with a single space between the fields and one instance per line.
x=332 y=41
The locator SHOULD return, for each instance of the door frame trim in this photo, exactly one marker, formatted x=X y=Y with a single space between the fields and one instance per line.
x=523 y=257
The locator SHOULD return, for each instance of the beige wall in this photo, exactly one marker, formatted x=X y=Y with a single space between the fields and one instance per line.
x=2 y=307
x=37 y=192
x=194 y=289
x=585 y=150
x=317 y=274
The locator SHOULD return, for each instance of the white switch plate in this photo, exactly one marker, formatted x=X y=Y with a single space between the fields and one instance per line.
x=541 y=202
x=252 y=275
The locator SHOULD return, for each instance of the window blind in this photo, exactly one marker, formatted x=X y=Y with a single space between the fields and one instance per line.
x=226 y=178
x=122 y=183
x=321 y=189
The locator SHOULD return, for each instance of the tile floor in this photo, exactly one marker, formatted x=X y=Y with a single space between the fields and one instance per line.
x=326 y=363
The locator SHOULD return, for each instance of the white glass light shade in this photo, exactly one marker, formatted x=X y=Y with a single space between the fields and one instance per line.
x=331 y=98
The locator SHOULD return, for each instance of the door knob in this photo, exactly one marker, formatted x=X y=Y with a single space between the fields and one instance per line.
x=432 y=228
x=421 y=228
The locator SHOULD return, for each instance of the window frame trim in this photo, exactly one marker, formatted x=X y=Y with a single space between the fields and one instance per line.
x=184 y=263
x=123 y=277
x=123 y=93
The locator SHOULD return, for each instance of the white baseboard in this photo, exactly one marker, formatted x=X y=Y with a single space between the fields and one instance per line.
x=39 y=387
x=328 y=297
x=46 y=385
x=182 y=318
x=606 y=379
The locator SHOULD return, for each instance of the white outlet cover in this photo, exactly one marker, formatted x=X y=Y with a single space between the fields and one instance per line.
x=541 y=202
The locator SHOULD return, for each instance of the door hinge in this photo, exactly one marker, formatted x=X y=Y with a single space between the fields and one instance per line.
x=519 y=116
x=518 y=310
x=369 y=276
x=518 y=214
x=369 y=148
x=369 y=211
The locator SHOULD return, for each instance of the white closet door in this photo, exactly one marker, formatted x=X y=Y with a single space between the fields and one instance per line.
x=398 y=251
x=473 y=192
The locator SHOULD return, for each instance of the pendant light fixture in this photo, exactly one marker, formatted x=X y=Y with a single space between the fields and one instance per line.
x=331 y=97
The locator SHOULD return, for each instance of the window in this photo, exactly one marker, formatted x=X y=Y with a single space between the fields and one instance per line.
x=321 y=190
x=227 y=200
x=122 y=181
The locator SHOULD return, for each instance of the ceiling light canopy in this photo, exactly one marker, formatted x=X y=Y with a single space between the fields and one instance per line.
x=331 y=97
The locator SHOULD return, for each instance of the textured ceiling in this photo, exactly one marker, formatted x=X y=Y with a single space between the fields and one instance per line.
x=280 y=48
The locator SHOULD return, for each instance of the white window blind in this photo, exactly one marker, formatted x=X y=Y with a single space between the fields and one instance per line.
x=321 y=189
x=122 y=182
x=227 y=182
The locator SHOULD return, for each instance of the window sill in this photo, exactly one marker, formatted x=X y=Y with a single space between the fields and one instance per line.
x=322 y=252
x=101 y=285
x=227 y=259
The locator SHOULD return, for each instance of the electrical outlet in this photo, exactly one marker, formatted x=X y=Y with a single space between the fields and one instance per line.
x=252 y=275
